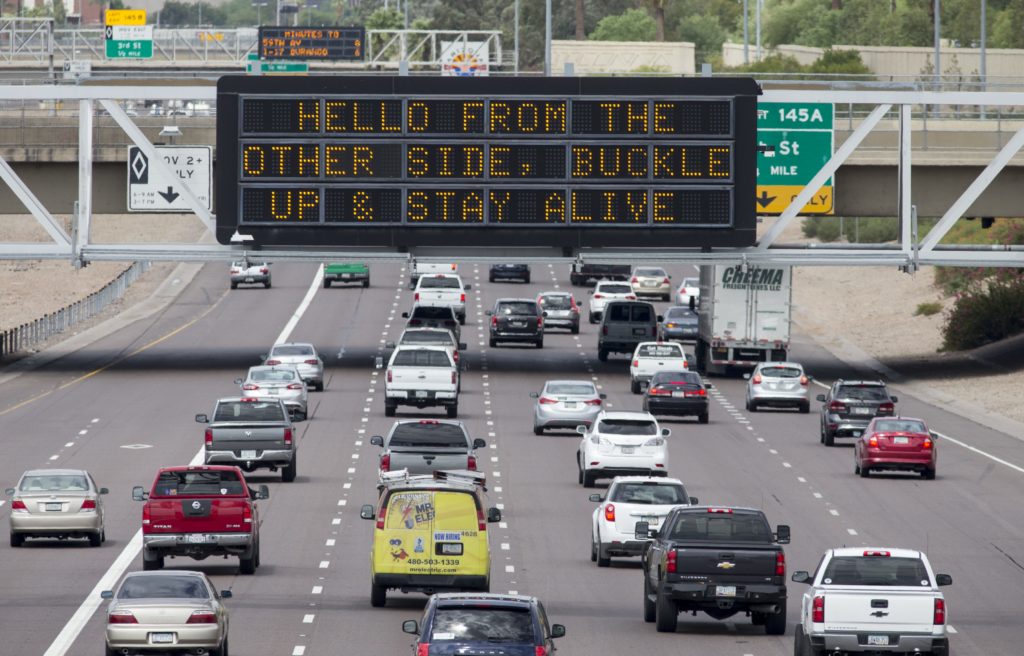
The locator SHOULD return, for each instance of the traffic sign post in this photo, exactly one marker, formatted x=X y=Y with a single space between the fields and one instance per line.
x=149 y=191
x=794 y=141
x=127 y=35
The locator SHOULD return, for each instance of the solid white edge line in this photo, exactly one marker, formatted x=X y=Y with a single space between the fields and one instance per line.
x=67 y=636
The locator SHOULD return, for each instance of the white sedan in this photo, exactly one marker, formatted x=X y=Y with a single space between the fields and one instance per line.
x=631 y=499
x=605 y=291
x=689 y=288
x=622 y=444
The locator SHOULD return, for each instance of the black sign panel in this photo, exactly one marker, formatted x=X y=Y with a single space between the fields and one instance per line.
x=562 y=162
x=312 y=43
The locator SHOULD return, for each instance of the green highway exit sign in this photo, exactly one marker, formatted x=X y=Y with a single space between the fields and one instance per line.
x=794 y=141
x=274 y=66
x=129 y=41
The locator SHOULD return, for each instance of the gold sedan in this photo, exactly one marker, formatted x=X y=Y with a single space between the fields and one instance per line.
x=167 y=611
x=57 y=503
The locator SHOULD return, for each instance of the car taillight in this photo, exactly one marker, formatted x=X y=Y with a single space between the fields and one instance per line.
x=471 y=463
x=630 y=297
x=604 y=330
x=295 y=386
x=876 y=554
x=572 y=304
x=89 y=504
x=634 y=280
x=927 y=444
x=636 y=363
x=423 y=649
x=756 y=379
x=385 y=462
x=609 y=512
x=804 y=381
x=380 y=516
x=939 y=616
x=837 y=406
x=145 y=515
x=453 y=376
x=264 y=270
x=659 y=391
x=288 y=436
x=780 y=564
x=540 y=321
x=455 y=356
x=887 y=407
x=670 y=562
x=873 y=441
x=598 y=295
x=249 y=387
x=121 y=617
x=664 y=281
x=202 y=617
x=462 y=298
x=494 y=321
x=247 y=514
x=546 y=401
x=481 y=521
x=208 y=438
x=313 y=361
x=720 y=511
x=389 y=375
x=818 y=610
x=272 y=362
x=699 y=392
x=414 y=322
x=540 y=650
x=593 y=402
x=416 y=296
x=19 y=505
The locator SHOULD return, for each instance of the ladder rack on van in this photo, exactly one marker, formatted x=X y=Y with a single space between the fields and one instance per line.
x=460 y=477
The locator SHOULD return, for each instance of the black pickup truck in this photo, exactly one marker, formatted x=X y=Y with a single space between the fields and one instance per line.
x=721 y=561
x=589 y=274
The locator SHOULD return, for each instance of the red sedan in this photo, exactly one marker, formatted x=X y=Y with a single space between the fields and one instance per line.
x=896 y=443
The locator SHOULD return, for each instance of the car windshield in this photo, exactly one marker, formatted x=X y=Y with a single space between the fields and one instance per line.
x=876 y=570
x=862 y=393
x=292 y=350
x=709 y=526
x=571 y=388
x=163 y=587
x=507 y=309
x=676 y=378
x=650 y=273
x=619 y=288
x=249 y=411
x=900 y=426
x=421 y=358
x=428 y=433
x=556 y=302
x=433 y=312
x=677 y=313
x=781 y=372
x=190 y=483
x=655 y=494
x=272 y=376
x=440 y=283
x=427 y=337
x=660 y=351
x=54 y=483
x=627 y=427
x=482 y=624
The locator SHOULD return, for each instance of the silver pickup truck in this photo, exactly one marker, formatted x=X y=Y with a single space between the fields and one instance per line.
x=251 y=434
x=427 y=445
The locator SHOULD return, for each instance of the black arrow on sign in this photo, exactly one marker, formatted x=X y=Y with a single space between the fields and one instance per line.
x=764 y=200
x=169 y=195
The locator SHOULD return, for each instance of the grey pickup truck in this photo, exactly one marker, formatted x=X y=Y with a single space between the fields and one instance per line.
x=251 y=434
x=427 y=445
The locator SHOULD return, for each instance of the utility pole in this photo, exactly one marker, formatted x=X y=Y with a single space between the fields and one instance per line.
x=746 y=33
x=547 y=37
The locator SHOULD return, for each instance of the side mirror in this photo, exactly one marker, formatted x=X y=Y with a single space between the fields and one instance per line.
x=708 y=386
x=226 y=594
x=746 y=376
x=107 y=594
x=800 y=576
x=9 y=491
x=410 y=626
x=544 y=313
x=202 y=419
x=366 y=511
x=934 y=435
x=139 y=494
x=104 y=490
x=389 y=345
x=479 y=443
x=239 y=381
x=467 y=286
x=262 y=492
x=596 y=498
x=489 y=313
x=894 y=399
x=665 y=432
x=660 y=318
x=493 y=515
x=534 y=395
x=782 y=534
x=582 y=430
x=378 y=362
x=263 y=356
x=694 y=501
x=557 y=631
x=642 y=531
x=462 y=346
x=693 y=303
x=602 y=396
x=943 y=579
x=377 y=440
x=820 y=397
x=405 y=315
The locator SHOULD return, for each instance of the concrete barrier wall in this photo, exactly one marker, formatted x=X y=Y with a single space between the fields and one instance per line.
x=593 y=57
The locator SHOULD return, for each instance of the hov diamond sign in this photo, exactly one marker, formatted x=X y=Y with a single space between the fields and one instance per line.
x=150 y=191
x=794 y=140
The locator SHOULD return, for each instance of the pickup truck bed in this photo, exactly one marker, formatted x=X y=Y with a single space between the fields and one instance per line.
x=346 y=273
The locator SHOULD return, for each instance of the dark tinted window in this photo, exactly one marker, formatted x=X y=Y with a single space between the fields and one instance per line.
x=876 y=570
x=571 y=388
x=163 y=587
x=616 y=288
x=249 y=411
x=707 y=526
x=618 y=312
x=627 y=427
x=292 y=350
x=900 y=426
x=651 y=494
x=678 y=313
x=676 y=378
x=187 y=483
x=508 y=308
x=54 y=483
x=428 y=312
x=427 y=337
x=482 y=624
x=428 y=434
x=556 y=302
x=642 y=314
x=272 y=375
x=862 y=393
x=781 y=372
x=421 y=358
x=439 y=283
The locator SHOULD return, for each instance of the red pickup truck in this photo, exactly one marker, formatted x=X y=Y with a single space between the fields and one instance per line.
x=200 y=512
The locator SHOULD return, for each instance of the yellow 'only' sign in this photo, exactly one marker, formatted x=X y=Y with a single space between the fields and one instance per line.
x=126 y=17
x=773 y=199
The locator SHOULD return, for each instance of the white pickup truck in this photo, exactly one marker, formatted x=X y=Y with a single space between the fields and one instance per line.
x=421 y=376
x=651 y=357
x=443 y=290
x=874 y=600
x=417 y=269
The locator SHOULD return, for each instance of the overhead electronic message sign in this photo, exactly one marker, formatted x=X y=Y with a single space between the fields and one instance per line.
x=565 y=162
x=312 y=43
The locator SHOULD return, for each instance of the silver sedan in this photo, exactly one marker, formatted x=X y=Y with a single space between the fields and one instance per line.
x=778 y=384
x=277 y=382
x=305 y=359
x=167 y=611
x=566 y=404
x=57 y=503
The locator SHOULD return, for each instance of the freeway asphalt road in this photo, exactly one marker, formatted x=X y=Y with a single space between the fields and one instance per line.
x=123 y=407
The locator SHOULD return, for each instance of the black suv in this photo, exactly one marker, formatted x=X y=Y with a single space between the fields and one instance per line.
x=510 y=272
x=850 y=405
x=517 y=320
x=439 y=316
x=467 y=623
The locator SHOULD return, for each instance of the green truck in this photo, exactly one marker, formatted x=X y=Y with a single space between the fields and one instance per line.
x=346 y=272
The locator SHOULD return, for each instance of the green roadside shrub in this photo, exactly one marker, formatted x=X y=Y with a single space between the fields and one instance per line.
x=985 y=314
x=928 y=309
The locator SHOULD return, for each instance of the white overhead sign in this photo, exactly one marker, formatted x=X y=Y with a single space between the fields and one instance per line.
x=151 y=191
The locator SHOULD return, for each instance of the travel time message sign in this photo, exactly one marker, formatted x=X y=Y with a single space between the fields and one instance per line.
x=565 y=162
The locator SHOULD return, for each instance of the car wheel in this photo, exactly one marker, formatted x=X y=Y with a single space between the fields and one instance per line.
x=223 y=650
x=602 y=355
x=575 y=330
x=390 y=409
x=703 y=418
x=234 y=285
x=752 y=406
x=111 y=652
x=589 y=478
x=666 y=297
x=151 y=562
x=258 y=550
x=288 y=471
x=603 y=560
x=856 y=468
x=320 y=386
x=758 y=619
x=649 y=609
x=247 y=564
x=527 y=280
x=579 y=471
x=590 y=318
x=539 y=343
x=634 y=386
x=462 y=320
x=103 y=535
x=378 y=595
x=366 y=283
x=666 y=614
x=266 y=285
x=805 y=408
x=453 y=411
x=928 y=474
x=775 y=624
x=593 y=550
x=493 y=343
x=95 y=539
x=865 y=471
x=327 y=283
x=17 y=539
x=538 y=430
x=490 y=278
x=799 y=649
x=830 y=438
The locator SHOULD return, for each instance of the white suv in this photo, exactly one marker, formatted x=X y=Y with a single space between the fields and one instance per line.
x=622 y=444
x=631 y=499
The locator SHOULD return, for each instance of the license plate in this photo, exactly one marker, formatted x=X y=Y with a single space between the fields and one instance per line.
x=570 y=405
x=519 y=324
x=420 y=394
x=627 y=450
x=901 y=440
x=248 y=280
x=272 y=392
x=878 y=640
x=161 y=638
x=652 y=520
x=725 y=590
x=248 y=454
x=195 y=538
x=346 y=276
x=451 y=549
x=862 y=411
x=53 y=506
x=639 y=331
x=678 y=394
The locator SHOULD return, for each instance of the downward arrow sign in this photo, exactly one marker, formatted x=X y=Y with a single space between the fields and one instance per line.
x=764 y=200
x=169 y=195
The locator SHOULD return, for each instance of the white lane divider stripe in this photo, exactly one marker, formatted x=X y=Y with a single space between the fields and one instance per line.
x=303 y=306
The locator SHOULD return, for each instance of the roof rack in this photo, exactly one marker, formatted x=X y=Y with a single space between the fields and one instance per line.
x=462 y=477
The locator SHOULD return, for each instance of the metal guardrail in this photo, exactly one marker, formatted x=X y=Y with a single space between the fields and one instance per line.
x=39 y=330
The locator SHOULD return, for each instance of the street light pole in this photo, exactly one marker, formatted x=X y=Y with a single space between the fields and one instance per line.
x=746 y=34
x=547 y=38
x=515 y=66
x=757 y=31
x=938 y=49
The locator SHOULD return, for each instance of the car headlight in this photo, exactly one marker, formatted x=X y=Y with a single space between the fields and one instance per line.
x=655 y=441
x=597 y=439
